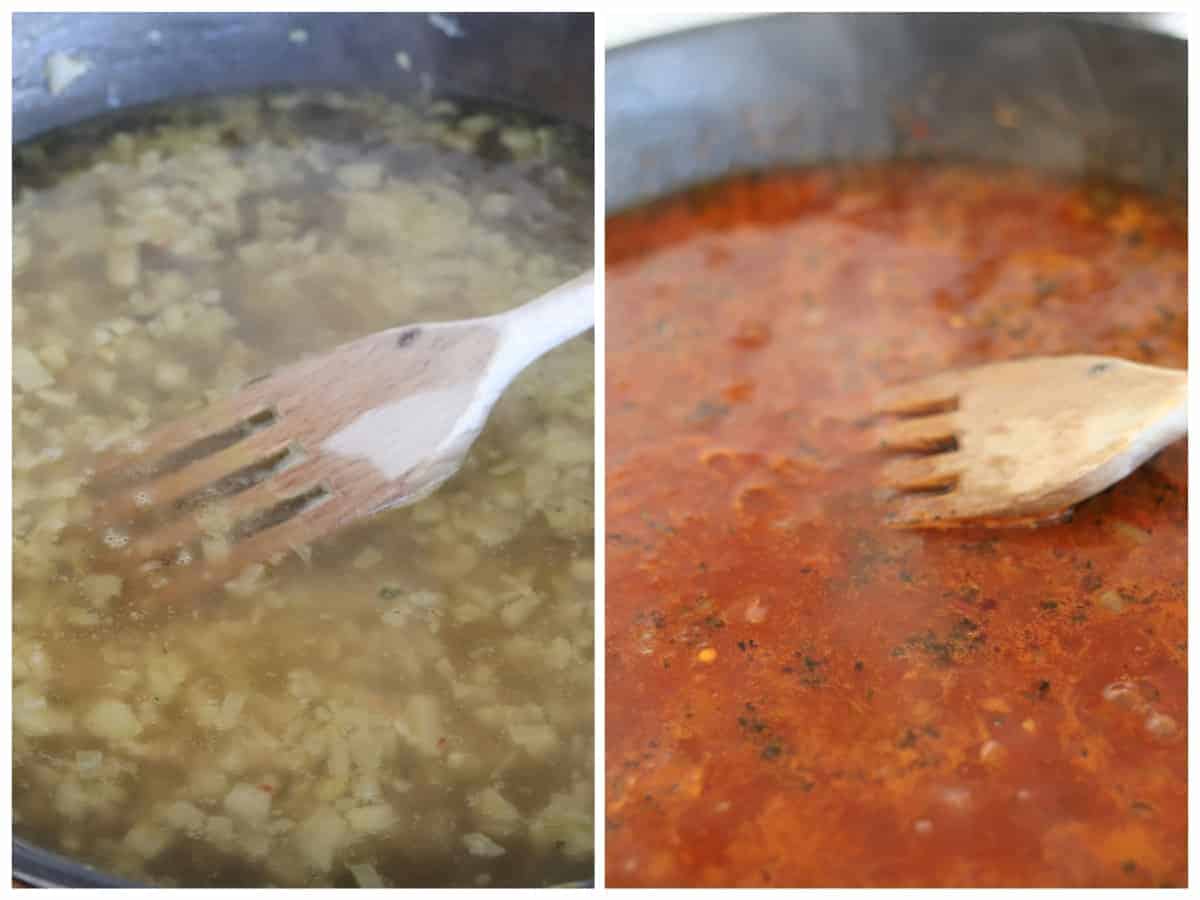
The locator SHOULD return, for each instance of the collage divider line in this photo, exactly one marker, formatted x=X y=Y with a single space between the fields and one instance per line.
x=598 y=183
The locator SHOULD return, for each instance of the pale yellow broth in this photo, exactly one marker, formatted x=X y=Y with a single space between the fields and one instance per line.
x=407 y=704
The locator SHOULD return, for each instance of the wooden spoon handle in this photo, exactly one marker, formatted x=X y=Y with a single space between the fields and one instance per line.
x=541 y=325
x=1173 y=426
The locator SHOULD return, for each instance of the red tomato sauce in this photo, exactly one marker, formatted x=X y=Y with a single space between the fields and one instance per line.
x=798 y=695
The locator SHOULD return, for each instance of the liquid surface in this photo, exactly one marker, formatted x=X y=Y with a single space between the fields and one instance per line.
x=408 y=704
x=800 y=696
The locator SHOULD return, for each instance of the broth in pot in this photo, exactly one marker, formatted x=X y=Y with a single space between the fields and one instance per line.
x=408 y=704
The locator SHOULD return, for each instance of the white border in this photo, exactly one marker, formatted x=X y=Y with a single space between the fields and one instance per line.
x=622 y=26
x=598 y=818
x=6 y=543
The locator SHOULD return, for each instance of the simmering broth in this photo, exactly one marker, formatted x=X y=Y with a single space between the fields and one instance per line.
x=407 y=704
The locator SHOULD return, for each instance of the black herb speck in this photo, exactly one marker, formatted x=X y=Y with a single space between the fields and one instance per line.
x=1044 y=287
x=752 y=725
x=706 y=411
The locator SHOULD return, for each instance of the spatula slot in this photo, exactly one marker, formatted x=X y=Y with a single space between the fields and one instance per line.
x=215 y=443
x=280 y=512
x=244 y=478
x=929 y=407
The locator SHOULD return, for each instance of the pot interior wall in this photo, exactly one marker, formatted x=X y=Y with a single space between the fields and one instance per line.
x=542 y=62
x=1059 y=94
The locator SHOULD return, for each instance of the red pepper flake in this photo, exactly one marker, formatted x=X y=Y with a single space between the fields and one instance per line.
x=738 y=391
x=266 y=787
x=752 y=335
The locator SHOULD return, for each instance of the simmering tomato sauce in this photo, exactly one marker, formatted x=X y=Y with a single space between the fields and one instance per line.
x=799 y=695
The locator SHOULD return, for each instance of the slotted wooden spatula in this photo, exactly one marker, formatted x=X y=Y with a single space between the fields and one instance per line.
x=305 y=450
x=1024 y=440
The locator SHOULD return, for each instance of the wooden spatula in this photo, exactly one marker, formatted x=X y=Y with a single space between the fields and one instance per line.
x=305 y=450
x=1024 y=440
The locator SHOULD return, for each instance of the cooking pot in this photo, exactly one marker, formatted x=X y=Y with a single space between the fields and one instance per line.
x=542 y=62
x=1068 y=95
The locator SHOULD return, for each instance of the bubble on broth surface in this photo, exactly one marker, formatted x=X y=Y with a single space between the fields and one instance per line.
x=115 y=539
